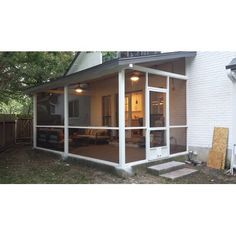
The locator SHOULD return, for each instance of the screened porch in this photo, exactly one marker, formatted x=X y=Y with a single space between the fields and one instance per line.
x=130 y=116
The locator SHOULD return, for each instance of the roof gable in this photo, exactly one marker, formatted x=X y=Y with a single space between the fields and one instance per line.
x=84 y=60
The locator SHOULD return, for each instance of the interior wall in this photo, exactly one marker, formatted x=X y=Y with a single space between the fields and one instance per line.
x=177 y=66
x=132 y=87
x=98 y=89
x=59 y=107
x=84 y=110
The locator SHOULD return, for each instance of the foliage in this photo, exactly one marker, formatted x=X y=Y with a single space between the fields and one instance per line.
x=109 y=55
x=14 y=106
x=19 y=70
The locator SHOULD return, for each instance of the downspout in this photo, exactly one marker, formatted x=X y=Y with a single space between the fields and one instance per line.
x=232 y=76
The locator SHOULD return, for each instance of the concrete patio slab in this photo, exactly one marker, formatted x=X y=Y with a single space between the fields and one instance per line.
x=178 y=173
x=165 y=167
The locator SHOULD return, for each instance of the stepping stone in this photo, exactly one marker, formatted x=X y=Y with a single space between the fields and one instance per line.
x=178 y=173
x=165 y=167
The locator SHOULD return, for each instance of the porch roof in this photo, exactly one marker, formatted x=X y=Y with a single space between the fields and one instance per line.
x=107 y=68
x=232 y=65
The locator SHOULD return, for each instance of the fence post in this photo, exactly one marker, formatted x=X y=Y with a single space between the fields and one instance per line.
x=4 y=132
x=15 y=131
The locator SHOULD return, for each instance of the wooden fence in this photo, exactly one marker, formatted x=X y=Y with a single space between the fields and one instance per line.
x=24 y=130
x=14 y=130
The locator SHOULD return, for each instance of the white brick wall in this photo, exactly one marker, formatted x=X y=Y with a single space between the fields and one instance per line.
x=209 y=98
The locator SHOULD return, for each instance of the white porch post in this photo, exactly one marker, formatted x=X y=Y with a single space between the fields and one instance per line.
x=34 y=120
x=168 y=114
x=66 y=123
x=121 y=81
x=147 y=116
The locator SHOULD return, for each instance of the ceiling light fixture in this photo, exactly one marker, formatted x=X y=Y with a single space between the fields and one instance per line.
x=131 y=65
x=79 y=90
x=134 y=78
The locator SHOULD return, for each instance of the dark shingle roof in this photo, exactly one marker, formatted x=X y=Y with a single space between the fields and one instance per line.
x=107 y=68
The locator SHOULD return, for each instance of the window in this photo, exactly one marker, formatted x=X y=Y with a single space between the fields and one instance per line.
x=74 y=108
x=94 y=110
x=157 y=109
x=106 y=110
x=52 y=109
x=134 y=111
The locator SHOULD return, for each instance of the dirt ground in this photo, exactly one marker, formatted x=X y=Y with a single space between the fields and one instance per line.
x=22 y=165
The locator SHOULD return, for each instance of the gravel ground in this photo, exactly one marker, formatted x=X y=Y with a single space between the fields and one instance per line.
x=21 y=165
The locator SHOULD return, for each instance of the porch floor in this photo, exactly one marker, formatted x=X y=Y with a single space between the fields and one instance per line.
x=109 y=153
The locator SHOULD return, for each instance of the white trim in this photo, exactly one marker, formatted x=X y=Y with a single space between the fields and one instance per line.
x=133 y=128
x=165 y=128
x=66 y=122
x=49 y=150
x=50 y=126
x=187 y=122
x=93 y=160
x=153 y=148
x=179 y=154
x=157 y=128
x=159 y=72
x=34 y=121
x=93 y=127
x=147 y=116
x=121 y=82
x=156 y=89
x=168 y=115
x=136 y=163
x=178 y=126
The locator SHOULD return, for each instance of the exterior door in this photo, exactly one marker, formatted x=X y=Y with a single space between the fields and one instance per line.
x=157 y=129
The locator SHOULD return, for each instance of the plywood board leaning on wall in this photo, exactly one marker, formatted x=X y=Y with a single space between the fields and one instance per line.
x=217 y=155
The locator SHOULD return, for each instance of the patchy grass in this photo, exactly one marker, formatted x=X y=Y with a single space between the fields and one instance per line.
x=22 y=165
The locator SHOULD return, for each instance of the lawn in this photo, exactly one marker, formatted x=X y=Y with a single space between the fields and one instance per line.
x=22 y=165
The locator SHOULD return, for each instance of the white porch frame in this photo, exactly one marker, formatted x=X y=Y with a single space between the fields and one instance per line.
x=121 y=95
x=149 y=128
x=66 y=122
x=34 y=121
x=168 y=75
x=121 y=90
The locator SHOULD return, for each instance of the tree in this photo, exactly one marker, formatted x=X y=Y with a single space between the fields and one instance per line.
x=19 y=70
x=109 y=55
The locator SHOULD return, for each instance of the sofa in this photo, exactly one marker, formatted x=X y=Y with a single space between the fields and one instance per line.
x=95 y=136
x=51 y=138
